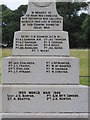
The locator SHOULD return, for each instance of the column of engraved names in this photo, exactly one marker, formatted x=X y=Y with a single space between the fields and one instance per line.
x=20 y=67
x=58 y=67
x=26 y=42
x=33 y=42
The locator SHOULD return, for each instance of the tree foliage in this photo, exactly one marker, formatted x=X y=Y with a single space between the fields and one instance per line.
x=86 y=31
x=74 y=23
x=11 y=23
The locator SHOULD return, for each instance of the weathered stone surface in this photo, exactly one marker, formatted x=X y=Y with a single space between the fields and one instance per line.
x=0 y=116
x=45 y=99
x=41 y=18
x=40 y=70
x=41 y=43
x=46 y=115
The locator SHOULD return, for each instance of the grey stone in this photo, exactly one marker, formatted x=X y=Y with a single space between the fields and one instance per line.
x=40 y=70
x=41 y=18
x=45 y=99
x=45 y=115
x=0 y=116
x=41 y=43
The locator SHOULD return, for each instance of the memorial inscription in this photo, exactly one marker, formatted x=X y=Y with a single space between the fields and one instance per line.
x=32 y=42
x=20 y=67
x=41 y=43
x=41 y=18
x=45 y=98
x=41 y=77
x=26 y=67
x=57 y=67
x=29 y=95
x=50 y=70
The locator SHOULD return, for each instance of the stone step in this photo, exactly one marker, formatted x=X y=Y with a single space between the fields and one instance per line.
x=45 y=99
x=45 y=116
x=40 y=70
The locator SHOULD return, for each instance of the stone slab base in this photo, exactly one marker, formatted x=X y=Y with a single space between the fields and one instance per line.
x=45 y=99
x=45 y=115
x=40 y=70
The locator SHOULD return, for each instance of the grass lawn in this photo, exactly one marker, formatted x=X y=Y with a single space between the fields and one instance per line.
x=82 y=54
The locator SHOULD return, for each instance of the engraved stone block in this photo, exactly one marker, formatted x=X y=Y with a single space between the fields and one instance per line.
x=41 y=18
x=40 y=70
x=41 y=43
x=45 y=99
